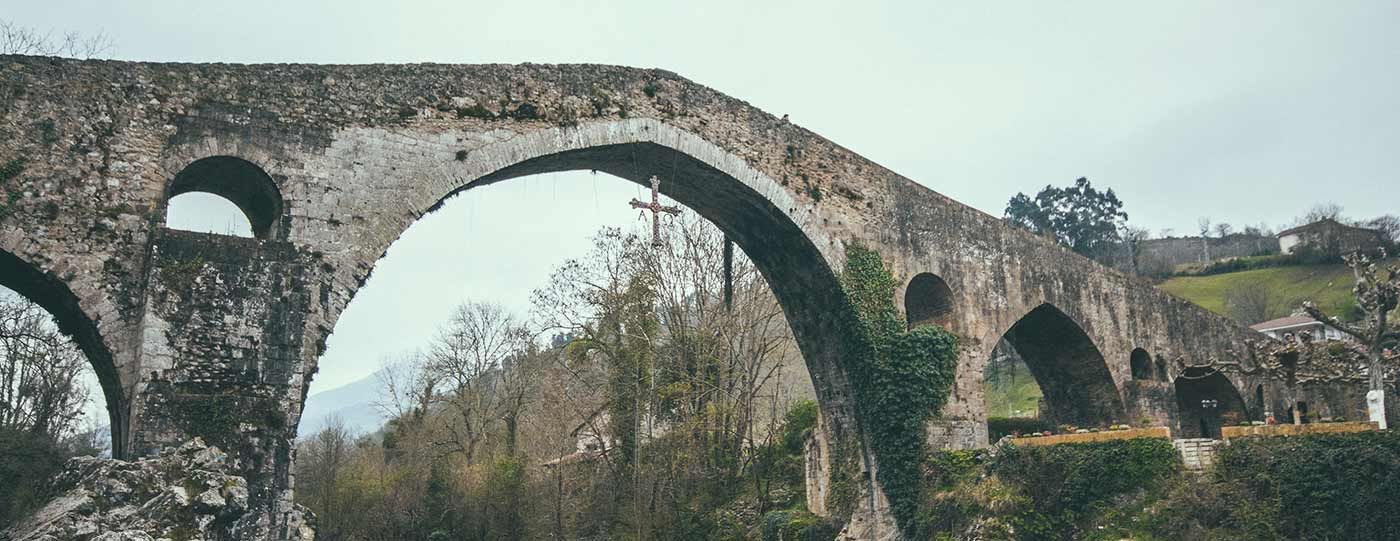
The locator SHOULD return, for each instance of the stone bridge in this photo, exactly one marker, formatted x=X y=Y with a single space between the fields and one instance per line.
x=214 y=336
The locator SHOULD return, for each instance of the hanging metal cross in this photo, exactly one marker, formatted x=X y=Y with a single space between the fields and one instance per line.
x=656 y=209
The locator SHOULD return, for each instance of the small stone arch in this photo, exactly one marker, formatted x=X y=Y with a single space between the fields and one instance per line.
x=928 y=300
x=1073 y=376
x=1206 y=401
x=54 y=296
x=240 y=181
x=1141 y=364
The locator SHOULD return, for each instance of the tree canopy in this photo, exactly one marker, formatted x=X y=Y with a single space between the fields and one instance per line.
x=1079 y=217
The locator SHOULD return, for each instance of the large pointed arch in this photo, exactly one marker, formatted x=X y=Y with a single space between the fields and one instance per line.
x=54 y=296
x=789 y=261
x=780 y=233
x=1074 y=378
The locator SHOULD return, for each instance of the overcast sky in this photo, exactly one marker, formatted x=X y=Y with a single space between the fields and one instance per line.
x=1245 y=112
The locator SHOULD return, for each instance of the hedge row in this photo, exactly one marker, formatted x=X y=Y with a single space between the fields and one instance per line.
x=1335 y=486
x=1042 y=492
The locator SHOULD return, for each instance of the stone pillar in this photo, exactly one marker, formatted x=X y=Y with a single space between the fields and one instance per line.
x=224 y=356
x=816 y=457
x=1154 y=401
x=962 y=424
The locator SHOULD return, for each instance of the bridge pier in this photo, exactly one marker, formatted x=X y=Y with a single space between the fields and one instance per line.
x=228 y=343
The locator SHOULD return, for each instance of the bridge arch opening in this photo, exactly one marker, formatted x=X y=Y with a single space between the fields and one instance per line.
x=31 y=285
x=1141 y=364
x=788 y=261
x=928 y=300
x=805 y=285
x=791 y=265
x=1072 y=377
x=1206 y=401
x=224 y=195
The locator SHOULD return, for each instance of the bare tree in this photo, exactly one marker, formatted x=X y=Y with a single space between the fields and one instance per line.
x=1319 y=212
x=321 y=461
x=1301 y=359
x=16 y=39
x=41 y=372
x=465 y=363
x=1388 y=225
x=1249 y=302
x=1203 y=224
x=405 y=387
x=1377 y=293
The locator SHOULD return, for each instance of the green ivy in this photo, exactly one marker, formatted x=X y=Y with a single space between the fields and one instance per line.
x=901 y=379
x=11 y=169
x=179 y=275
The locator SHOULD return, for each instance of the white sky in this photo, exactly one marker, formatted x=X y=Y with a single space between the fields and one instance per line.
x=1244 y=112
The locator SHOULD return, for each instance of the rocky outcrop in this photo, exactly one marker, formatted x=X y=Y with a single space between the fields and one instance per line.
x=186 y=493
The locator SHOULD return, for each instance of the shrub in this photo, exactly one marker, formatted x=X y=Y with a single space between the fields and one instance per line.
x=1237 y=264
x=1334 y=486
x=797 y=426
x=796 y=525
x=1069 y=483
x=27 y=463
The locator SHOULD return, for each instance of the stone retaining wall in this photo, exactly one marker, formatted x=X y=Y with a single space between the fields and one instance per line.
x=1297 y=430
x=1154 y=432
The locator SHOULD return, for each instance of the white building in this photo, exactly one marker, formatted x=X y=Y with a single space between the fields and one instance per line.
x=1278 y=328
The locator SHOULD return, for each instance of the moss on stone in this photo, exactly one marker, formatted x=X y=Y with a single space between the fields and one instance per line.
x=179 y=275
x=11 y=169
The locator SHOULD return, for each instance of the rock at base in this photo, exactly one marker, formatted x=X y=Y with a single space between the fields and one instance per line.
x=186 y=493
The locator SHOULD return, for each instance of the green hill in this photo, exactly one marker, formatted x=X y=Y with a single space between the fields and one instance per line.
x=1010 y=389
x=1329 y=286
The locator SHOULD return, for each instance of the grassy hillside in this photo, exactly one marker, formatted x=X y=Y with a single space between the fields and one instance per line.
x=1327 y=285
x=1011 y=390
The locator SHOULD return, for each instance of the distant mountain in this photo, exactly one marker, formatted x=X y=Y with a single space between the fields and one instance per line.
x=352 y=402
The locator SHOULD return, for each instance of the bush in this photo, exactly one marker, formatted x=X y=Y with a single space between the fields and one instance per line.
x=1050 y=492
x=796 y=525
x=1237 y=264
x=997 y=427
x=1335 y=486
x=1067 y=484
x=27 y=463
x=798 y=424
x=1339 y=486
